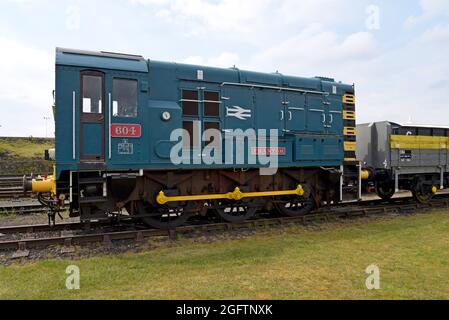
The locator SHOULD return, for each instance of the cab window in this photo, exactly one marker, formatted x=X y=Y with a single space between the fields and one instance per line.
x=124 y=98
x=92 y=94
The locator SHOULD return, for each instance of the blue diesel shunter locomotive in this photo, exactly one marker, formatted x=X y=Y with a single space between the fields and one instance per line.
x=117 y=115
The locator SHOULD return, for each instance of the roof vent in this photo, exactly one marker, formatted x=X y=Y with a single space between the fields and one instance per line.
x=326 y=79
x=104 y=54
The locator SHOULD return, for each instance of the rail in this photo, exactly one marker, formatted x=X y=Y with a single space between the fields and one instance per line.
x=363 y=209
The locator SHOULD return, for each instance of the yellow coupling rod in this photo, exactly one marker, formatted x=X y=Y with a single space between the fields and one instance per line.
x=235 y=195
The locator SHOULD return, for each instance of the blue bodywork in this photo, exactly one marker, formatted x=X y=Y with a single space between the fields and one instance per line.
x=306 y=111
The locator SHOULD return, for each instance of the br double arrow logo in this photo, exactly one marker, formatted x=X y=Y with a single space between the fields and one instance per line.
x=238 y=112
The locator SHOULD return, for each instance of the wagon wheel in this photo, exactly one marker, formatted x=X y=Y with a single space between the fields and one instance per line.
x=422 y=197
x=295 y=206
x=167 y=216
x=235 y=211
x=385 y=190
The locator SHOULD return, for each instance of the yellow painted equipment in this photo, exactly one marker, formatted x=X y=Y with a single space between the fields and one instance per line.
x=348 y=115
x=434 y=189
x=350 y=146
x=418 y=142
x=349 y=131
x=237 y=195
x=48 y=185
x=365 y=174
x=349 y=99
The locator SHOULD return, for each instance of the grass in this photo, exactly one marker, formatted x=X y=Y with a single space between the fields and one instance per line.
x=411 y=252
x=24 y=147
x=9 y=213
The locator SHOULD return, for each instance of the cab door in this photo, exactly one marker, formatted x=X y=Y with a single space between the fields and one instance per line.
x=92 y=123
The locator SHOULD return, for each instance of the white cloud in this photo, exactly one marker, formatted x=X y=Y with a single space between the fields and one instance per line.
x=247 y=16
x=165 y=14
x=436 y=35
x=25 y=71
x=395 y=77
x=408 y=81
x=306 y=12
x=430 y=9
x=411 y=81
x=25 y=85
x=197 y=60
x=224 y=60
x=226 y=14
x=435 y=7
x=316 y=50
x=21 y=1
x=149 y=2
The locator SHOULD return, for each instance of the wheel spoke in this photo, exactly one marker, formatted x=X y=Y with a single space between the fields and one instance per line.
x=233 y=211
x=422 y=197
x=163 y=217
x=294 y=206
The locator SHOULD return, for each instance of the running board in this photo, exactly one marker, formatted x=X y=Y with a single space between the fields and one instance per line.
x=235 y=195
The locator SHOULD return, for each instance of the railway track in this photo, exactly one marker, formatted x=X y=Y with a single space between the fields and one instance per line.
x=11 y=187
x=12 y=192
x=22 y=208
x=70 y=234
x=10 y=180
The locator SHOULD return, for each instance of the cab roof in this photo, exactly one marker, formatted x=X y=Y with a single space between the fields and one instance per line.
x=100 y=59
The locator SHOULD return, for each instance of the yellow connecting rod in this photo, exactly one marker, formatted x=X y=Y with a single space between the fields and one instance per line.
x=235 y=195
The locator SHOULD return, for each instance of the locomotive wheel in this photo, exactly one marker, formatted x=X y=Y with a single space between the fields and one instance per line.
x=385 y=191
x=422 y=197
x=235 y=211
x=164 y=217
x=294 y=206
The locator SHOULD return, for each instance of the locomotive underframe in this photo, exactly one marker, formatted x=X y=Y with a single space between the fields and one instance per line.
x=95 y=194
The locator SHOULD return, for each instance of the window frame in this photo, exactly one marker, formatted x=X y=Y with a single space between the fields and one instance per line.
x=424 y=131
x=88 y=117
x=218 y=102
x=211 y=120
x=136 y=81
x=404 y=130
x=198 y=103
x=92 y=73
x=201 y=115
x=438 y=132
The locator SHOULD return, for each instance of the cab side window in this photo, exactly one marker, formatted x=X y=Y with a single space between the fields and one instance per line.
x=92 y=94
x=124 y=98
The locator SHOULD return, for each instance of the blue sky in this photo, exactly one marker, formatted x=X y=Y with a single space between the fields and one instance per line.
x=396 y=52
